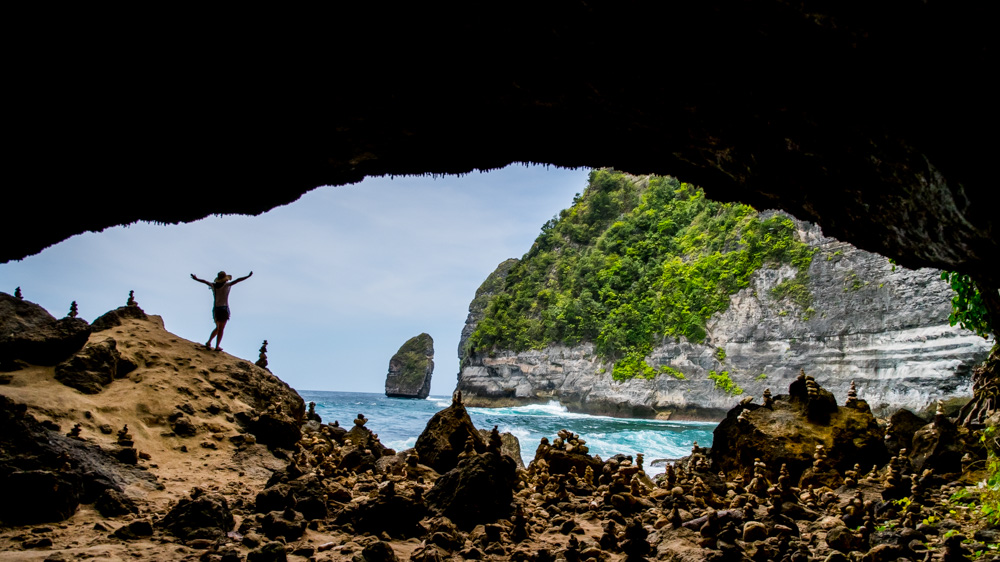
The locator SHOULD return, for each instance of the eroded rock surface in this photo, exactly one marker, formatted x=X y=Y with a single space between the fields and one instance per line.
x=30 y=334
x=869 y=321
x=411 y=368
x=788 y=430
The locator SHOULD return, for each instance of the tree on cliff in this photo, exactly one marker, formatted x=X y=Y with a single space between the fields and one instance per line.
x=976 y=307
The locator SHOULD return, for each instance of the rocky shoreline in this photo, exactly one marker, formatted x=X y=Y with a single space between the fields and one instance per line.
x=210 y=458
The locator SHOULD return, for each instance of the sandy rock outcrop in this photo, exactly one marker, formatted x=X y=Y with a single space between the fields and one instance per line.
x=30 y=334
x=791 y=429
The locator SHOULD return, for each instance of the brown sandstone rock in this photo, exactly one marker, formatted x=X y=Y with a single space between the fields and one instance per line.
x=478 y=490
x=789 y=431
x=93 y=367
x=29 y=333
x=445 y=437
x=114 y=318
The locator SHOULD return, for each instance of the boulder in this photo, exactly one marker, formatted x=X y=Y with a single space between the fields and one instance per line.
x=258 y=388
x=788 y=430
x=274 y=429
x=203 y=516
x=38 y=496
x=939 y=446
x=30 y=334
x=509 y=445
x=410 y=369
x=380 y=551
x=397 y=514
x=287 y=524
x=114 y=318
x=270 y=552
x=445 y=436
x=93 y=367
x=44 y=474
x=899 y=433
x=112 y=503
x=565 y=454
x=478 y=490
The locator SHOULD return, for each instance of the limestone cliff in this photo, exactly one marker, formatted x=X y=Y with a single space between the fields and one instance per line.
x=866 y=320
x=410 y=369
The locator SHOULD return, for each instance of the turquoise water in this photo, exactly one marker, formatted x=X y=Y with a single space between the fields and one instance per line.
x=398 y=422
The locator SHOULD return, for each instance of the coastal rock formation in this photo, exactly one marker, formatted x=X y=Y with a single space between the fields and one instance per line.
x=410 y=369
x=113 y=318
x=448 y=433
x=788 y=428
x=491 y=286
x=866 y=320
x=29 y=333
x=202 y=516
x=45 y=475
x=168 y=399
x=93 y=367
x=478 y=490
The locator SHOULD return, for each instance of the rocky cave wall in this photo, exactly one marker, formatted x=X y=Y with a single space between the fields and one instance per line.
x=864 y=119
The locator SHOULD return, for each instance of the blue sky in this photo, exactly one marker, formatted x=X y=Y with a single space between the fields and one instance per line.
x=342 y=277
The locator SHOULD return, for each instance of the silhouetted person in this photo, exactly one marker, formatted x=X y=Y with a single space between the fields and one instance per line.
x=220 y=312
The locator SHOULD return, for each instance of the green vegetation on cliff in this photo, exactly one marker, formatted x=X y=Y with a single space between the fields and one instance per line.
x=633 y=261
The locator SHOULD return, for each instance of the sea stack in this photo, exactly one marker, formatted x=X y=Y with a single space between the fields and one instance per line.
x=410 y=369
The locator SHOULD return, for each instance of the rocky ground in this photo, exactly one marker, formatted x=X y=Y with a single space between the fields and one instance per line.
x=220 y=461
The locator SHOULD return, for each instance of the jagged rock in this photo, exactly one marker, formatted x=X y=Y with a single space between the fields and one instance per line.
x=270 y=552
x=134 y=530
x=445 y=437
x=843 y=539
x=114 y=318
x=38 y=496
x=44 y=475
x=397 y=514
x=939 y=445
x=899 y=432
x=305 y=494
x=509 y=445
x=561 y=461
x=181 y=425
x=275 y=429
x=288 y=524
x=259 y=389
x=203 y=516
x=30 y=334
x=112 y=503
x=380 y=551
x=411 y=368
x=785 y=434
x=93 y=367
x=478 y=490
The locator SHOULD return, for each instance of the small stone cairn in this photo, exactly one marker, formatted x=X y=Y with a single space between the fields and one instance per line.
x=262 y=360
x=131 y=299
x=72 y=310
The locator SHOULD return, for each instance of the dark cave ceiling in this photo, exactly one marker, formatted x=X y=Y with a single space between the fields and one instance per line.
x=873 y=120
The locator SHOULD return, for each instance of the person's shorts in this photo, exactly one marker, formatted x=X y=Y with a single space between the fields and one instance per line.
x=220 y=314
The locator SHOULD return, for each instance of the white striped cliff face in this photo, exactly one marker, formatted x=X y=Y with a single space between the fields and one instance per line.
x=883 y=327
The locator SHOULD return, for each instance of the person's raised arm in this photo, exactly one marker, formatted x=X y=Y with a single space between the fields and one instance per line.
x=193 y=276
x=235 y=281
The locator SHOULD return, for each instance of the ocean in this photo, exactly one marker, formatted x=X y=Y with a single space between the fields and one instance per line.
x=399 y=421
